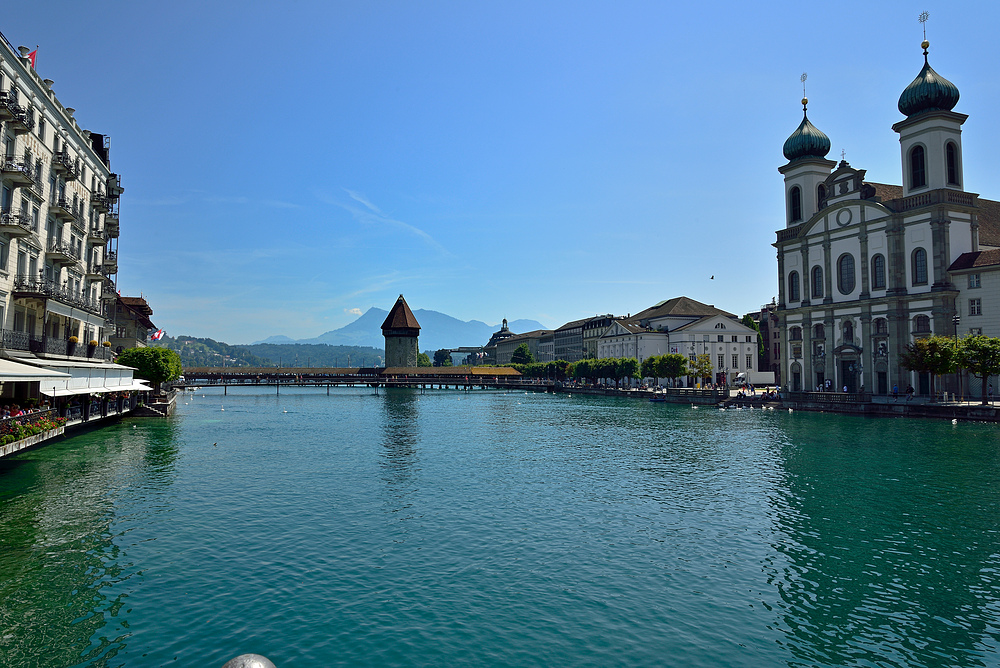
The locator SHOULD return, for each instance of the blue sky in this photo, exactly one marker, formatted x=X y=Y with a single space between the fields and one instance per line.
x=289 y=165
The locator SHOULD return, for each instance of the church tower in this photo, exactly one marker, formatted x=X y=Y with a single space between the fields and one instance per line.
x=806 y=171
x=400 y=330
x=930 y=139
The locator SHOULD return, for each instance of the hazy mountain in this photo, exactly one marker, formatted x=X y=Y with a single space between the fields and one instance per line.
x=280 y=338
x=437 y=330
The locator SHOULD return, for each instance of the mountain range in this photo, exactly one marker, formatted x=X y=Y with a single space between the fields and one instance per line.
x=437 y=330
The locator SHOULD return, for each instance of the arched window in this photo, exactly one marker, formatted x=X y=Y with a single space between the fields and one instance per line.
x=881 y=326
x=719 y=325
x=848 y=332
x=921 y=324
x=818 y=331
x=794 y=204
x=817 y=281
x=845 y=274
x=878 y=272
x=795 y=334
x=951 y=156
x=793 y=286
x=821 y=194
x=918 y=175
x=920 y=267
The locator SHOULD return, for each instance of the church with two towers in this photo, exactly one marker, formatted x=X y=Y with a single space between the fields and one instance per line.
x=866 y=268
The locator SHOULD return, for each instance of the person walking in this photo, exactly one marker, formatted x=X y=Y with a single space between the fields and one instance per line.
x=895 y=393
x=989 y=393
x=909 y=392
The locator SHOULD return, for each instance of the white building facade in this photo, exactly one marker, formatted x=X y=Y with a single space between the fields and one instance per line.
x=58 y=220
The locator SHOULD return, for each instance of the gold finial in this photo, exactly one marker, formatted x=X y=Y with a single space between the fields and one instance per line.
x=923 y=23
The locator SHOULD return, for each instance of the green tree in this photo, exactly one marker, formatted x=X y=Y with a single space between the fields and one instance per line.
x=157 y=365
x=522 y=355
x=701 y=368
x=442 y=357
x=651 y=367
x=626 y=367
x=671 y=366
x=423 y=359
x=935 y=355
x=980 y=355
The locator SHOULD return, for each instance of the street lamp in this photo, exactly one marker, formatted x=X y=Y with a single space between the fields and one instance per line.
x=956 y=319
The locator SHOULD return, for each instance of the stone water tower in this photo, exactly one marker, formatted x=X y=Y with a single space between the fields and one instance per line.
x=400 y=330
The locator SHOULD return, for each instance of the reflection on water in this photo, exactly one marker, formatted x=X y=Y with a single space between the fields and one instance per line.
x=59 y=531
x=496 y=528
x=888 y=543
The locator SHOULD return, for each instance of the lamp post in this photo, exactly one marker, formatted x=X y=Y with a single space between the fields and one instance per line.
x=956 y=319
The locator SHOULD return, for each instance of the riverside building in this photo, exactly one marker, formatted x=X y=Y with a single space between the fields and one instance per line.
x=58 y=220
x=866 y=268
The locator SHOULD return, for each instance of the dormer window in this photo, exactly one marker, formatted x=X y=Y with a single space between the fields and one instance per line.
x=918 y=173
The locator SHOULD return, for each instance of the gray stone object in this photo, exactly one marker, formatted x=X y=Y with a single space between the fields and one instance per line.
x=249 y=661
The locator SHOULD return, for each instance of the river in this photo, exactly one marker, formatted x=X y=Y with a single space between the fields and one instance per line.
x=493 y=528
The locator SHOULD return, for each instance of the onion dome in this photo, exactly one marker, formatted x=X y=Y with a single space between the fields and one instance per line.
x=928 y=92
x=807 y=140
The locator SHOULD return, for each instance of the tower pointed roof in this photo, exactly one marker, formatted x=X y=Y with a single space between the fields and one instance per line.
x=400 y=317
x=807 y=140
x=928 y=92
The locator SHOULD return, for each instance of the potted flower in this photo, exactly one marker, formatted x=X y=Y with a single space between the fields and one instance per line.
x=71 y=344
x=91 y=347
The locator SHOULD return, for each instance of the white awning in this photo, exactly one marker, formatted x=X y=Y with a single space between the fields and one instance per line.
x=14 y=372
x=62 y=392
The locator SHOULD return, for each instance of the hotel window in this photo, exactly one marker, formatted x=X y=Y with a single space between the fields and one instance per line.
x=878 y=272
x=920 y=267
x=975 y=331
x=975 y=307
x=4 y=249
x=974 y=281
x=777 y=351
x=749 y=339
x=736 y=339
x=749 y=362
x=721 y=338
x=736 y=361
x=722 y=361
x=690 y=357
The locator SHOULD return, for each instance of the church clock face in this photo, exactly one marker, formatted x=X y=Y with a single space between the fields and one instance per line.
x=844 y=217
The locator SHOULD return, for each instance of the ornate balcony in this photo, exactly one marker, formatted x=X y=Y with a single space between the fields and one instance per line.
x=96 y=236
x=21 y=121
x=6 y=113
x=62 y=208
x=115 y=186
x=94 y=271
x=100 y=202
x=15 y=224
x=41 y=288
x=63 y=163
x=18 y=170
x=111 y=263
x=60 y=252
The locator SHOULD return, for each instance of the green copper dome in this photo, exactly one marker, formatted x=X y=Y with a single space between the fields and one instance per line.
x=806 y=141
x=928 y=92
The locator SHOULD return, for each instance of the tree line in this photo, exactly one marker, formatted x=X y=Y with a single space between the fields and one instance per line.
x=940 y=355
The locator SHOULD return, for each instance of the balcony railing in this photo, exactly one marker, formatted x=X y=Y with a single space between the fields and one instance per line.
x=6 y=113
x=63 y=163
x=62 y=208
x=18 y=170
x=62 y=252
x=52 y=345
x=111 y=263
x=15 y=224
x=100 y=202
x=43 y=288
x=115 y=185
x=939 y=196
x=96 y=236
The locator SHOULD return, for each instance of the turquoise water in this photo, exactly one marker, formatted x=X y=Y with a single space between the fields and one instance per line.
x=495 y=529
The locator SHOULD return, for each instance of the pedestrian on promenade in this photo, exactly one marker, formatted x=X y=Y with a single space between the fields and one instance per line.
x=909 y=392
x=895 y=393
x=989 y=393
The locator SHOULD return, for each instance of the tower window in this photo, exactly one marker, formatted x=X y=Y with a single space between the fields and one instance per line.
x=794 y=204
x=878 y=272
x=819 y=331
x=920 y=267
x=817 y=282
x=918 y=175
x=921 y=324
x=951 y=156
x=793 y=286
x=821 y=194
x=881 y=326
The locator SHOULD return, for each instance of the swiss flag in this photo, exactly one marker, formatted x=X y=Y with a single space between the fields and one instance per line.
x=31 y=57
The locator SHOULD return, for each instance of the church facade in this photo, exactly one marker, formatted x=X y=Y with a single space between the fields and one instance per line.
x=864 y=268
